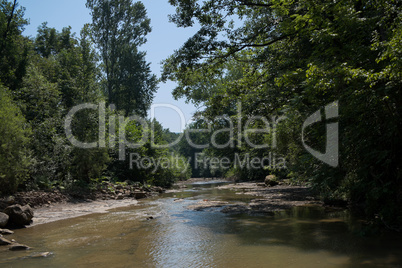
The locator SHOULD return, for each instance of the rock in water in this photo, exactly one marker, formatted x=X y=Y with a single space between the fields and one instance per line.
x=3 y=219
x=4 y=242
x=139 y=195
x=6 y=232
x=271 y=180
x=19 y=215
x=17 y=246
x=41 y=255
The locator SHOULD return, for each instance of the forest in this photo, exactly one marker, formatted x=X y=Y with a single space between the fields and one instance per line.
x=251 y=64
x=43 y=78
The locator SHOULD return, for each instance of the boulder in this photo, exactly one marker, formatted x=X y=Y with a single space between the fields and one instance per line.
x=10 y=200
x=4 y=242
x=139 y=195
x=271 y=180
x=19 y=215
x=17 y=246
x=119 y=187
x=158 y=189
x=3 y=219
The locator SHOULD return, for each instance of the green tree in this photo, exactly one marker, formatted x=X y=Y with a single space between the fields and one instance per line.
x=14 y=136
x=298 y=56
x=152 y=163
x=14 y=47
x=119 y=28
x=61 y=75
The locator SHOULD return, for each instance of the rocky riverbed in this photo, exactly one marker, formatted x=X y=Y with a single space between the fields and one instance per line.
x=105 y=191
x=268 y=198
x=27 y=209
x=55 y=206
x=69 y=210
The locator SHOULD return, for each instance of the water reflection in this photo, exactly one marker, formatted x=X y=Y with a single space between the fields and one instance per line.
x=178 y=237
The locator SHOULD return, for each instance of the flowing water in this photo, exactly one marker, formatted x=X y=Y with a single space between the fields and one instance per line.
x=178 y=237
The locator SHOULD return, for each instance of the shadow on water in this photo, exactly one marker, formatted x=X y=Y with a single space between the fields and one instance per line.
x=179 y=237
x=308 y=229
x=312 y=229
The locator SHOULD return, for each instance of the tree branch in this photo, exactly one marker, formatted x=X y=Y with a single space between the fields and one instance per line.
x=9 y=19
x=248 y=3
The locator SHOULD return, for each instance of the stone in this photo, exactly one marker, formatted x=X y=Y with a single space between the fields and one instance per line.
x=10 y=200
x=158 y=189
x=4 y=242
x=19 y=215
x=16 y=246
x=207 y=204
x=271 y=180
x=139 y=195
x=236 y=209
x=6 y=232
x=41 y=255
x=119 y=187
x=3 y=219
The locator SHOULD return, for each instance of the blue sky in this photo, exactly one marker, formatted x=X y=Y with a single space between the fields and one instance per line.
x=162 y=41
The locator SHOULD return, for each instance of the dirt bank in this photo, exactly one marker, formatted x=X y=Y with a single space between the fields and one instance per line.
x=55 y=205
x=67 y=210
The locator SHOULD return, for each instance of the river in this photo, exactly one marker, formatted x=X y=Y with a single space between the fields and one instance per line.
x=162 y=232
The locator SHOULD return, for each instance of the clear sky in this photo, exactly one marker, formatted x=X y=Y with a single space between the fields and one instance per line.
x=162 y=41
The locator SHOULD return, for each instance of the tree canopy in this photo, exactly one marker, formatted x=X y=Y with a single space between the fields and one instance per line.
x=119 y=28
x=290 y=58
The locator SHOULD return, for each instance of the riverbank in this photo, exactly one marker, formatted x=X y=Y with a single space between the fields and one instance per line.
x=268 y=200
x=68 y=210
x=56 y=205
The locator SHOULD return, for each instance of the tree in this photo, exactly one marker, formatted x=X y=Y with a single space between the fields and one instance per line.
x=119 y=28
x=13 y=46
x=61 y=74
x=14 y=136
x=298 y=56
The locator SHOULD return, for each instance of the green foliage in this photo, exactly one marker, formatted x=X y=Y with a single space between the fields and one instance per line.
x=153 y=161
x=45 y=77
x=119 y=27
x=292 y=58
x=14 y=47
x=14 y=136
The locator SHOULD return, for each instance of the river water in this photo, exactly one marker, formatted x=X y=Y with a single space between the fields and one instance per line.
x=179 y=237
